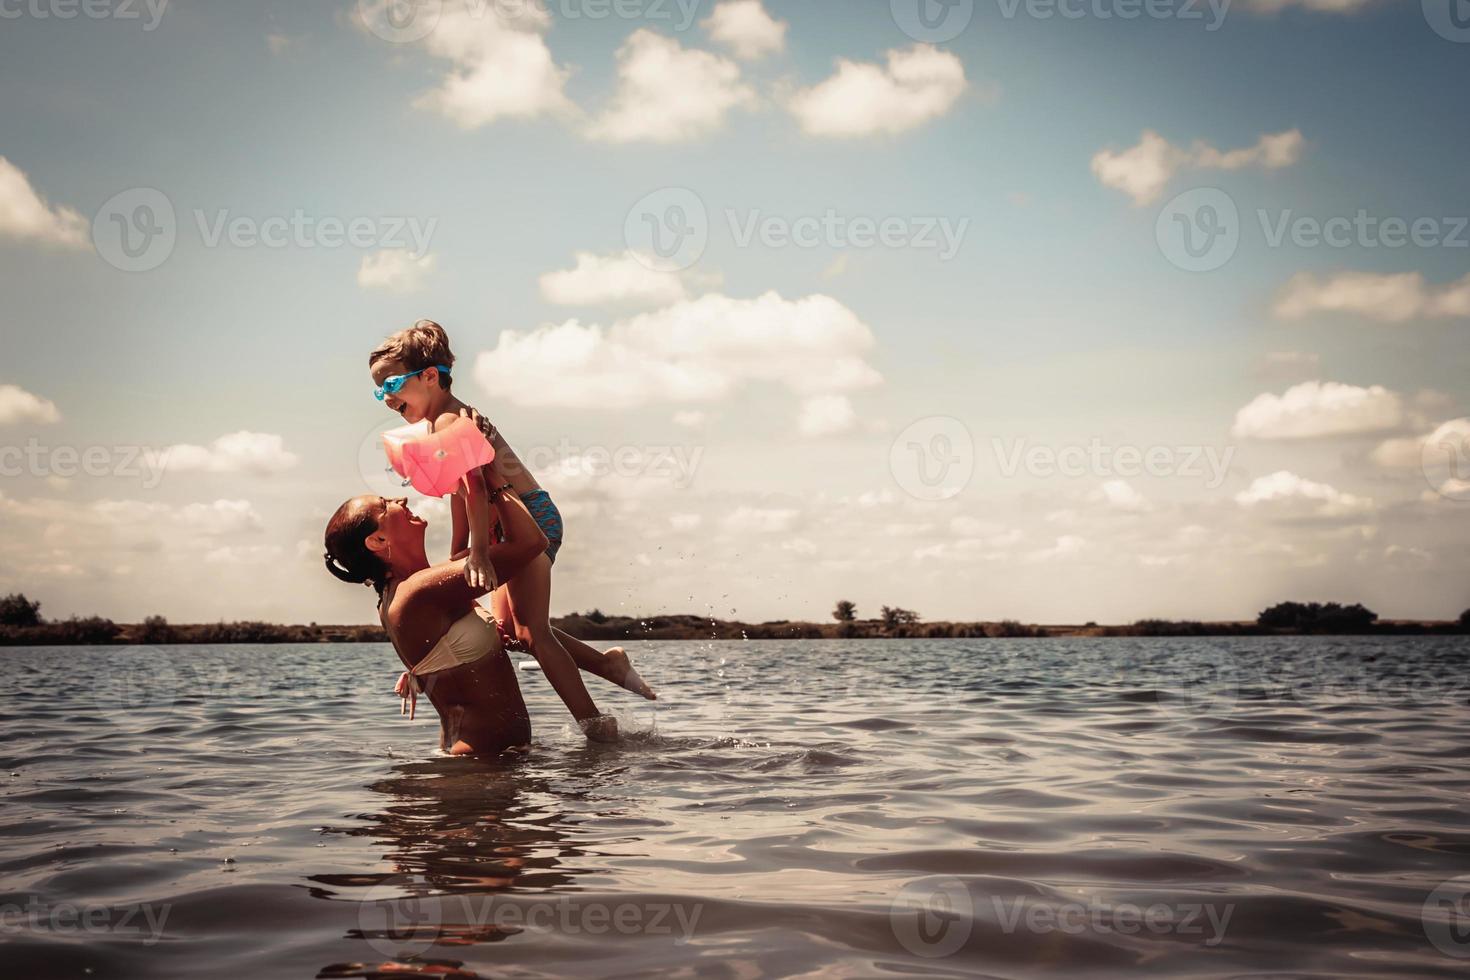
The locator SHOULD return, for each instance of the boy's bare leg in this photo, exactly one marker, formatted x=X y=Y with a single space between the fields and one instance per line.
x=612 y=666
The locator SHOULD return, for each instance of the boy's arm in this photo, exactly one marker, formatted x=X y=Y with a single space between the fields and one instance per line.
x=474 y=498
x=476 y=494
x=459 y=542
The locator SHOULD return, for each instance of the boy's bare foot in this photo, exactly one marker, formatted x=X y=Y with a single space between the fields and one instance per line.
x=600 y=728
x=625 y=676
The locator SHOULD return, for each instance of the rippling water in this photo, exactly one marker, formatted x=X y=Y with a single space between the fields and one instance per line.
x=994 y=807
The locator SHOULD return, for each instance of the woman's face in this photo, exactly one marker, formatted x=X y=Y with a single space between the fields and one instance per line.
x=412 y=401
x=397 y=525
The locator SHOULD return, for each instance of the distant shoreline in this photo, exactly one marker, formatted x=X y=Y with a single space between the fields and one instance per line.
x=682 y=627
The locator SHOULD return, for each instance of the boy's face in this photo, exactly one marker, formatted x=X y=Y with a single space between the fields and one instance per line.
x=412 y=401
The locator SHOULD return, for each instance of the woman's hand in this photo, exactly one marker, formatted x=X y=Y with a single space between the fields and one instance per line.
x=408 y=691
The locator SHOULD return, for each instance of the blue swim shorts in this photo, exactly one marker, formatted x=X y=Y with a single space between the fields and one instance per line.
x=548 y=518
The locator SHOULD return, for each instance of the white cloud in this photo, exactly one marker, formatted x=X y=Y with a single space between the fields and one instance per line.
x=502 y=67
x=623 y=280
x=394 y=270
x=685 y=522
x=762 y=520
x=746 y=28
x=130 y=524
x=1289 y=362
x=1390 y=298
x=19 y=405
x=690 y=419
x=221 y=518
x=249 y=554
x=1067 y=545
x=863 y=99
x=26 y=216
x=668 y=93
x=283 y=44
x=697 y=350
x=1285 y=494
x=826 y=415
x=1314 y=409
x=1120 y=495
x=1143 y=171
x=239 y=452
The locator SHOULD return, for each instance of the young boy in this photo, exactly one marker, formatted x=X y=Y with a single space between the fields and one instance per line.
x=412 y=370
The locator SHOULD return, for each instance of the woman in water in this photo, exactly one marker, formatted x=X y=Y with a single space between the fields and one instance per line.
x=448 y=643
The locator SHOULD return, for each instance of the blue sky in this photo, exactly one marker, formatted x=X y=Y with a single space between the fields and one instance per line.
x=1060 y=321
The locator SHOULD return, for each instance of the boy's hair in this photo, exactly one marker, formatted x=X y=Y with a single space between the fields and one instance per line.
x=423 y=345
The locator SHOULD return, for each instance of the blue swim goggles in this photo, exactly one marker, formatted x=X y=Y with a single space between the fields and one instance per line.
x=391 y=386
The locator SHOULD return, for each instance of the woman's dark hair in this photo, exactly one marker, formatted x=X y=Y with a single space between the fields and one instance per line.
x=347 y=555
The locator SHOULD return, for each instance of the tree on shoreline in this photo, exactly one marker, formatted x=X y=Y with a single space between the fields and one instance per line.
x=895 y=616
x=1465 y=619
x=846 y=612
x=17 y=610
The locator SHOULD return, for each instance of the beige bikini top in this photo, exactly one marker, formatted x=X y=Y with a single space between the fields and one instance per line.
x=472 y=637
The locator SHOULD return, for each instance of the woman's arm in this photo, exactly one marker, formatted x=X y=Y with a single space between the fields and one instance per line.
x=524 y=540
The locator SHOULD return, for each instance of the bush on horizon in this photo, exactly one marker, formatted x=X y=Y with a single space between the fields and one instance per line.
x=1465 y=619
x=1317 y=616
x=846 y=611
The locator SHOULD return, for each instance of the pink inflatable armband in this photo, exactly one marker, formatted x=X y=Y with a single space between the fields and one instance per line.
x=435 y=461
